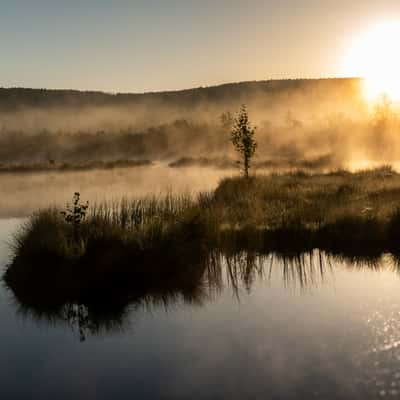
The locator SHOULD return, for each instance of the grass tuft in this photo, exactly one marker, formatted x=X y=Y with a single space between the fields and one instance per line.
x=149 y=244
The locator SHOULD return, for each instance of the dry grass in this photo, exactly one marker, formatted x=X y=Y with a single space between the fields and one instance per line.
x=157 y=242
x=275 y=201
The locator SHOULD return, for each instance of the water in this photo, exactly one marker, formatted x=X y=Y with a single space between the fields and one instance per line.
x=22 y=194
x=263 y=328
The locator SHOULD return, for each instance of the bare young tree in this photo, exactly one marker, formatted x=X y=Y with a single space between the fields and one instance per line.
x=242 y=138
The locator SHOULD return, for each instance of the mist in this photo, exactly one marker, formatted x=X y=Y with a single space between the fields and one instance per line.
x=312 y=124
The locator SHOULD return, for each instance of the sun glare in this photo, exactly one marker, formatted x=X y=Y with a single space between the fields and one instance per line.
x=375 y=57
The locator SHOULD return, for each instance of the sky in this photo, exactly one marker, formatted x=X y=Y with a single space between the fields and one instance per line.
x=153 y=45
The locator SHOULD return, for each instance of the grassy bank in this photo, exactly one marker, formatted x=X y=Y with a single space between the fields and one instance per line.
x=145 y=244
x=334 y=211
x=157 y=244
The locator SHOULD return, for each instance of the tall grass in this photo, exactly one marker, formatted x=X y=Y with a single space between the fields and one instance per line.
x=145 y=243
x=287 y=200
x=137 y=214
x=156 y=242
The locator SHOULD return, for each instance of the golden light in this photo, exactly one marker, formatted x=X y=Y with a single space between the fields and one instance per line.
x=375 y=56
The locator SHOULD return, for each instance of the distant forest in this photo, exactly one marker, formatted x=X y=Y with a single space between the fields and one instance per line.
x=296 y=119
x=14 y=99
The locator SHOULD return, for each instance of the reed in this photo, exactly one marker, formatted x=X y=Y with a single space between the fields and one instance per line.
x=152 y=243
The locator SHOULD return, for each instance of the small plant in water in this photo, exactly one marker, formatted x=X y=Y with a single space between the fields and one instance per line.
x=75 y=213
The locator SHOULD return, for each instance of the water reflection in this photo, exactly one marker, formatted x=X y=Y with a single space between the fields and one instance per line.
x=240 y=325
x=237 y=273
x=84 y=321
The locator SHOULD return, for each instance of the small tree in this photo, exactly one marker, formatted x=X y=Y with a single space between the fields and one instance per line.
x=75 y=214
x=242 y=138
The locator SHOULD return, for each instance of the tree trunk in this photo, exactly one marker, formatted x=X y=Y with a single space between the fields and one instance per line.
x=246 y=167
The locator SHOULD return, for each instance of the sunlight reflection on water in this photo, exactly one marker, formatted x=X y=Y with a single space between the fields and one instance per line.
x=311 y=327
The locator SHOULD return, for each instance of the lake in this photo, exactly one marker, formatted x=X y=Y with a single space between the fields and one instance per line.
x=21 y=194
x=313 y=326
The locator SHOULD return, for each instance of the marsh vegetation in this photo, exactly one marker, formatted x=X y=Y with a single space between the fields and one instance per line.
x=201 y=282
x=89 y=261
x=291 y=220
x=160 y=243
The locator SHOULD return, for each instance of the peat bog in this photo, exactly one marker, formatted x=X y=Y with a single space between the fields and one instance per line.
x=160 y=246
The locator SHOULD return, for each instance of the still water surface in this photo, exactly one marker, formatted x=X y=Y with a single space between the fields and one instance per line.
x=22 y=194
x=332 y=331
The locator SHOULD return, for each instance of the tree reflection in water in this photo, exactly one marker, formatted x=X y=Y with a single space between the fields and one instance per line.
x=237 y=272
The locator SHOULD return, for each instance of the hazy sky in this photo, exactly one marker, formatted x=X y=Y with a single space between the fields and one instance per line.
x=121 y=45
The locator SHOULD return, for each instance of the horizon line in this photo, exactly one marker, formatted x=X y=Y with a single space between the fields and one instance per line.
x=114 y=93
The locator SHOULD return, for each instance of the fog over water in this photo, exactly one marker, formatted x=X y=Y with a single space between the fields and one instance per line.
x=316 y=125
x=22 y=194
x=328 y=120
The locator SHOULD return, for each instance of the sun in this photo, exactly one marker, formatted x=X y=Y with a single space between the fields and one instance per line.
x=375 y=56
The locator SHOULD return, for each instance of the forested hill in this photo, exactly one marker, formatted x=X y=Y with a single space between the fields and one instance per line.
x=320 y=119
x=12 y=99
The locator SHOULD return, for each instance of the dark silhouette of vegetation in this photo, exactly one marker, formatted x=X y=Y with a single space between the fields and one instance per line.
x=144 y=244
x=75 y=214
x=159 y=244
x=106 y=312
x=53 y=166
x=242 y=138
x=200 y=281
x=12 y=99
